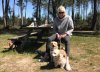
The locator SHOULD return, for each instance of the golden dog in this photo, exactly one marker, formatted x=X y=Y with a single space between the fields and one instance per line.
x=58 y=56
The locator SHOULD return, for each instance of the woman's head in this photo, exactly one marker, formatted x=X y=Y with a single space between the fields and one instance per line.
x=61 y=12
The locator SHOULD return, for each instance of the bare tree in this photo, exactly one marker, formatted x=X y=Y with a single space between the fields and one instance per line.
x=13 y=16
x=5 y=8
x=93 y=26
x=20 y=3
x=26 y=1
x=73 y=9
x=48 y=9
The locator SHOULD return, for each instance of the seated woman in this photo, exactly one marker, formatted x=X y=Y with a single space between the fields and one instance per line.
x=63 y=28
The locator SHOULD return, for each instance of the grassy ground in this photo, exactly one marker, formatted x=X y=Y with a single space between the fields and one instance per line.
x=84 y=55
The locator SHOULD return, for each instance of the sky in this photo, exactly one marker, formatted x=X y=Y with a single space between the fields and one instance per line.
x=17 y=10
x=29 y=9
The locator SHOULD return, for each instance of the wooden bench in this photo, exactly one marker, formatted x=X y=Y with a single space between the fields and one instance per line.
x=16 y=41
x=19 y=41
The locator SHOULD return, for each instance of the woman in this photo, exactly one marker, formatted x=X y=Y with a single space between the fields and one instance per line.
x=63 y=28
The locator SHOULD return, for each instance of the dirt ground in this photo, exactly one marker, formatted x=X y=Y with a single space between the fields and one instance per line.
x=12 y=63
x=84 y=57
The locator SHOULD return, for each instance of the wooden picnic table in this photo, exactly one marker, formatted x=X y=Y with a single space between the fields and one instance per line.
x=20 y=41
x=39 y=31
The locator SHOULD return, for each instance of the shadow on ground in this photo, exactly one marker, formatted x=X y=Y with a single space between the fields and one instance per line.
x=31 y=46
x=49 y=66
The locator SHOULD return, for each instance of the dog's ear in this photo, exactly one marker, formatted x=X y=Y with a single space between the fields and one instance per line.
x=51 y=44
x=64 y=56
x=62 y=48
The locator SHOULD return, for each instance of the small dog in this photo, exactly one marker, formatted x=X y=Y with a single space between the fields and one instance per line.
x=53 y=46
x=58 y=56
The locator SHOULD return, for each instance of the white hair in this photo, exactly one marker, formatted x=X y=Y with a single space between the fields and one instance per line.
x=61 y=9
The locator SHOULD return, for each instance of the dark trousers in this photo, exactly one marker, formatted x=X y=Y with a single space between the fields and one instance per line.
x=65 y=40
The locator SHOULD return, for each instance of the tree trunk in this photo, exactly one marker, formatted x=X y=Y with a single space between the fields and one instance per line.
x=93 y=26
x=4 y=20
x=86 y=10
x=5 y=13
x=48 y=10
x=13 y=16
x=25 y=9
x=21 y=9
x=54 y=6
x=73 y=10
x=39 y=12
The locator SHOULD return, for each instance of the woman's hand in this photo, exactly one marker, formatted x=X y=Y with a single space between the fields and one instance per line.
x=63 y=35
x=58 y=36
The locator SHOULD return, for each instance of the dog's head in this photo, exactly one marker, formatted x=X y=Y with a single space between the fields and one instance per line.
x=54 y=45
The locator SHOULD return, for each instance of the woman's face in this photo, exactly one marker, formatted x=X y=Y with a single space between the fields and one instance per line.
x=61 y=14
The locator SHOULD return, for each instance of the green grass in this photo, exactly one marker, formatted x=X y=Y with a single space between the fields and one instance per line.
x=84 y=55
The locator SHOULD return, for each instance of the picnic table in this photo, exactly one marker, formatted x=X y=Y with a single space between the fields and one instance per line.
x=38 y=31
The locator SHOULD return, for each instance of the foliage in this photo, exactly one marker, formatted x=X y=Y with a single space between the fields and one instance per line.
x=79 y=23
x=98 y=21
x=1 y=20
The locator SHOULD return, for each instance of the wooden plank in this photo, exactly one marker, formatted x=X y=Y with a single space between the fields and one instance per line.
x=17 y=37
x=84 y=32
x=33 y=33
